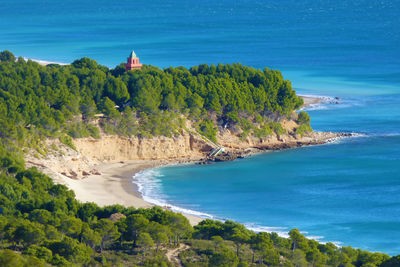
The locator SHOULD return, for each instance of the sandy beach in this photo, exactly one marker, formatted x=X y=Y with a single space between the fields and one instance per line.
x=114 y=185
x=310 y=100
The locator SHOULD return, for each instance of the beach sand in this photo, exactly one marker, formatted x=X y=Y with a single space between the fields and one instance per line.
x=311 y=100
x=114 y=185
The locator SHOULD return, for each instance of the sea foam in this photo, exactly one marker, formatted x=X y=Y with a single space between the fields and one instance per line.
x=149 y=186
x=330 y=102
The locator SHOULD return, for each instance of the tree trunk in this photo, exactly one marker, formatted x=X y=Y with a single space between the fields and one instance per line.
x=252 y=259
x=135 y=238
x=175 y=240
x=237 y=249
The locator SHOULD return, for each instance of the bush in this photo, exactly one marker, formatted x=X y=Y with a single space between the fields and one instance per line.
x=277 y=127
x=304 y=118
x=264 y=131
x=67 y=140
x=40 y=252
x=7 y=56
x=303 y=129
x=207 y=128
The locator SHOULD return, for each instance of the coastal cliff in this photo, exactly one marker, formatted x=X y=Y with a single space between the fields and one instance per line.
x=119 y=148
x=89 y=153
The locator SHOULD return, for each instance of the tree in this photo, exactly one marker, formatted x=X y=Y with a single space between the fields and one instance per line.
x=108 y=232
x=160 y=238
x=87 y=211
x=90 y=237
x=315 y=257
x=88 y=108
x=145 y=242
x=40 y=252
x=179 y=225
x=71 y=250
x=70 y=226
x=239 y=236
x=136 y=223
x=7 y=56
x=116 y=90
x=270 y=256
x=304 y=118
x=41 y=216
x=28 y=233
x=3 y=224
x=225 y=257
x=109 y=108
x=298 y=258
x=298 y=240
x=8 y=258
x=260 y=242
x=217 y=241
x=392 y=262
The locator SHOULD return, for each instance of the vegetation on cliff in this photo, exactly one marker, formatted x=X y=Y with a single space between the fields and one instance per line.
x=60 y=101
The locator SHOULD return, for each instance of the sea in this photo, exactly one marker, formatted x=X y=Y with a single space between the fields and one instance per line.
x=347 y=191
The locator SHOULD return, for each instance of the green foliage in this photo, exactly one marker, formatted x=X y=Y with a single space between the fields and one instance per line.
x=304 y=121
x=67 y=140
x=40 y=252
x=50 y=101
x=304 y=118
x=277 y=127
x=263 y=131
x=8 y=258
x=207 y=128
x=7 y=56
x=303 y=129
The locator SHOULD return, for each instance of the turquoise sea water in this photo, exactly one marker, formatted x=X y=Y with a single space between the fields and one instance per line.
x=347 y=192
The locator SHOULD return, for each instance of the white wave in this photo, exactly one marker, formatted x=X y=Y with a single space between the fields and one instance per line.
x=329 y=102
x=149 y=186
x=281 y=231
x=44 y=62
x=339 y=139
x=385 y=134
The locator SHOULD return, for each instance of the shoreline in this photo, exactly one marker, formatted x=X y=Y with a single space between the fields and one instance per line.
x=115 y=185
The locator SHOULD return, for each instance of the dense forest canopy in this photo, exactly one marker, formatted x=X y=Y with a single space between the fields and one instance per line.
x=38 y=100
x=42 y=224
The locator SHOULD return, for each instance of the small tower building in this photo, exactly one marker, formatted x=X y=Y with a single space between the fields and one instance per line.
x=133 y=62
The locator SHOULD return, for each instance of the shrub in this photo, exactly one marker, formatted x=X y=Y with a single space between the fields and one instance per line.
x=277 y=127
x=303 y=129
x=304 y=118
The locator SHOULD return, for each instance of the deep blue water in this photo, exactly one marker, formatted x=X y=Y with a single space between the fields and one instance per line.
x=346 y=192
